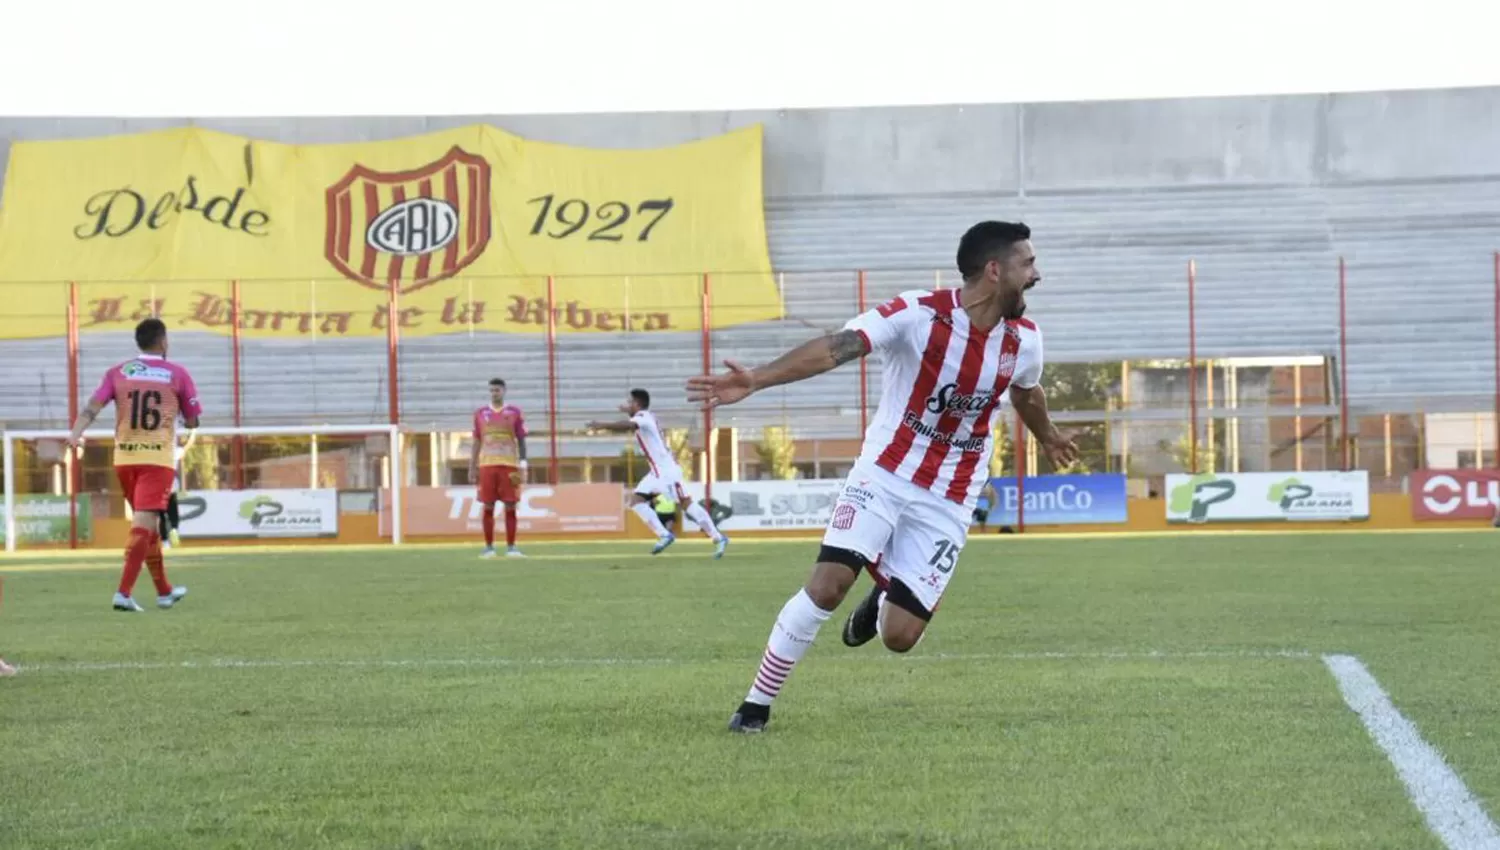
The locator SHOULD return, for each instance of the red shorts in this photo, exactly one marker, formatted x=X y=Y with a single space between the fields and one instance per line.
x=499 y=484
x=146 y=487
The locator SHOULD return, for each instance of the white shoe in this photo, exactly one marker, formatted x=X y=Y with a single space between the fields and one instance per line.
x=125 y=603
x=6 y=669
x=513 y=552
x=172 y=598
x=488 y=553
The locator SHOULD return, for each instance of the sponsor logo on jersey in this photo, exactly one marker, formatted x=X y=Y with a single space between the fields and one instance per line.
x=969 y=444
x=135 y=370
x=950 y=401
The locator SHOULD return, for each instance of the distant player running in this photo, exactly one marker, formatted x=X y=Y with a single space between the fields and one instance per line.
x=499 y=465
x=903 y=514
x=148 y=393
x=665 y=477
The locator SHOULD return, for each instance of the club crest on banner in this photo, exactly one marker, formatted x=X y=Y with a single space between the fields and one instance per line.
x=408 y=229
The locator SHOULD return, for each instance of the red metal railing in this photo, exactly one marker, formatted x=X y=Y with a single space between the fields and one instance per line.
x=716 y=293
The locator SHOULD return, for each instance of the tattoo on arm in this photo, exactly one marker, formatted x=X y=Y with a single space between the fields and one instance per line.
x=846 y=346
x=521 y=447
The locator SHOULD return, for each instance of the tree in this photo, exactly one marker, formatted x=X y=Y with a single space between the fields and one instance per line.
x=201 y=465
x=1004 y=448
x=1182 y=454
x=1083 y=387
x=777 y=452
x=679 y=447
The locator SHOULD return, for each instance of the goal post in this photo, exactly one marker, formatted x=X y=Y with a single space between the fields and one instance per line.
x=12 y=438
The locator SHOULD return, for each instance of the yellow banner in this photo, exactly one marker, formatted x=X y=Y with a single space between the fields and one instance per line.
x=465 y=227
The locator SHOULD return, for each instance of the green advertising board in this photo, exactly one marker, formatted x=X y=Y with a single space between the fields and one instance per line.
x=45 y=519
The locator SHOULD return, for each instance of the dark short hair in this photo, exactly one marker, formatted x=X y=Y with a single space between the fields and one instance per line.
x=497 y=382
x=642 y=398
x=150 y=333
x=988 y=240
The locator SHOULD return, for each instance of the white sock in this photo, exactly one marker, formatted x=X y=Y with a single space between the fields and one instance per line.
x=696 y=513
x=649 y=517
x=796 y=627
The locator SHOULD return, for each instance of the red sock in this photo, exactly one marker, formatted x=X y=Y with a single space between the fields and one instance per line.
x=510 y=525
x=135 y=555
x=488 y=521
x=157 y=568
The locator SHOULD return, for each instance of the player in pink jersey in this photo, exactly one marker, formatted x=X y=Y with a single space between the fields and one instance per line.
x=950 y=357
x=498 y=465
x=149 y=393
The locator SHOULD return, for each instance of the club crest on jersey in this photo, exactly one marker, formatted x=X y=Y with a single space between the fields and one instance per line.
x=949 y=400
x=408 y=229
x=1007 y=365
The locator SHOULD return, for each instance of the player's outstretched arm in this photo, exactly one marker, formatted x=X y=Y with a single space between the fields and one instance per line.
x=623 y=426
x=811 y=358
x=1031 y=405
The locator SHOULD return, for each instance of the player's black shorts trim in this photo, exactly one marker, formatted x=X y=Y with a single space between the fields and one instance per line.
x=899 y=595
x=848 y=557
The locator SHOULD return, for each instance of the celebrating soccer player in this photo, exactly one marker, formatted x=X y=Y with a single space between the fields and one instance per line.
x=903 y=514
x=499 y=464
x=148 y=393
x=665 y=476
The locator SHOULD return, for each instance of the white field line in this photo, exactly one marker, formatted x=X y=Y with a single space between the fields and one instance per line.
x=1451 y=810
x=559 y=663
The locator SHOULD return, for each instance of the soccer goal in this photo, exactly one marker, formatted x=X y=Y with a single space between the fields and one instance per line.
x=256 y=482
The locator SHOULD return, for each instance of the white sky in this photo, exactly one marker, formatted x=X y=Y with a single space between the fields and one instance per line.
x=378 y=57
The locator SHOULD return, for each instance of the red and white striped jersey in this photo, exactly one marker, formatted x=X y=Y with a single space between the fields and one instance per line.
x=941 y=383
x=653 y=445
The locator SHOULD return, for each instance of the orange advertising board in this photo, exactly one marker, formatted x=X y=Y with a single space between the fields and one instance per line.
x=543 y=509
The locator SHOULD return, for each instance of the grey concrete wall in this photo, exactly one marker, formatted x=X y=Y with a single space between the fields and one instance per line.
x=1293 y=140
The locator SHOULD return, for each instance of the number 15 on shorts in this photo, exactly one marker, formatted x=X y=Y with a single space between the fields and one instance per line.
x=944 y=556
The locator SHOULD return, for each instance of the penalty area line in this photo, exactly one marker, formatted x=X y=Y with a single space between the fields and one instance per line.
x=1446 y=803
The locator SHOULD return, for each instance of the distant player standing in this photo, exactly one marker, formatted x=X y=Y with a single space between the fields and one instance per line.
x=665 y=477
x=499 y=463
x=903 y=514
x=148 y=393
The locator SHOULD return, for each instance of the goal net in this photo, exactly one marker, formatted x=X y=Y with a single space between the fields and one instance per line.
x=233 y=484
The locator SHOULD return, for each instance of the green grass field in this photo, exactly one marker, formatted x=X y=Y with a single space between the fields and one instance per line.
x=1073 y=693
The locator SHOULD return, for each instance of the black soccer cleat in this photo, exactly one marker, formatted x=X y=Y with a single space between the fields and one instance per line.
x=750 y=718
x=859 y=628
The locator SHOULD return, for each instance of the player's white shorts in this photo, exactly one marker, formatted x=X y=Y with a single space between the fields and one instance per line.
x=916 y=534
x=668 y=483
